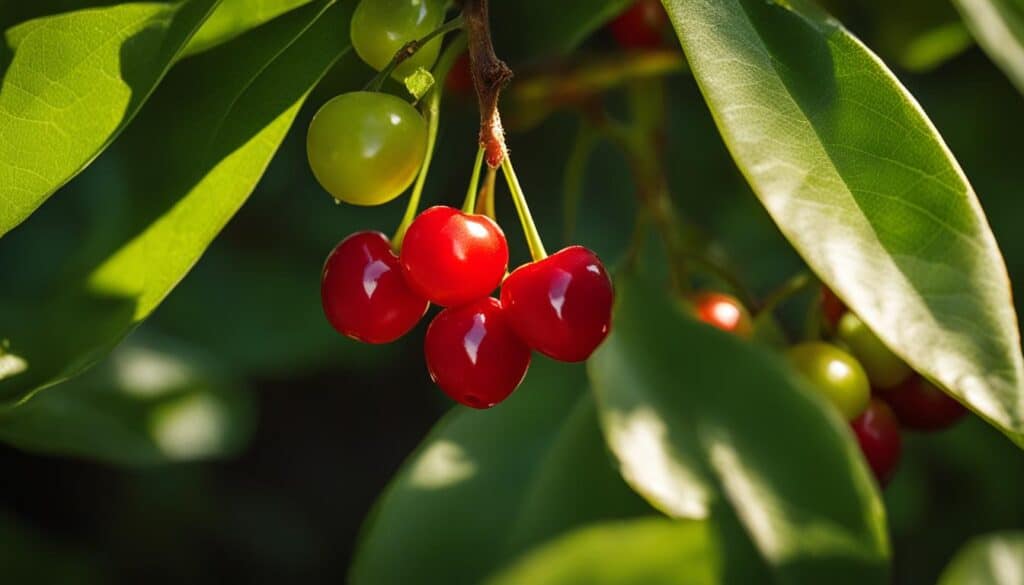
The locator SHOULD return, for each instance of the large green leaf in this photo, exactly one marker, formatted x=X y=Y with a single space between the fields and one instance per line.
x=638 y=552
x=999 y=27
x=151 y=401
x=860 y=182
x=74 y=83
x=694 y=415
x=995 y=559
x=485 y=485
x=192 y=159
x=234 y=17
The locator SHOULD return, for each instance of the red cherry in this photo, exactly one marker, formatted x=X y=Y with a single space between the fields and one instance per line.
x=878 y=433
x=561 y=306
x=473 y=354
x=832 y=307
x=641 y=26
x=452 y=258
x=725 y=312
x=921 y=406
x=363 y=292
x=460 y=77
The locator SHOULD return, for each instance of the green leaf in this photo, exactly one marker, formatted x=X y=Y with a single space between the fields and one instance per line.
x=999 y=27
x=234 y=17
x=74 y=83
x=485 y=485
x=192 y=159
x=639 y=552
x=994 y=559
x=419 y=83
x=862 y=185
x=694 y=415
x=150 y=402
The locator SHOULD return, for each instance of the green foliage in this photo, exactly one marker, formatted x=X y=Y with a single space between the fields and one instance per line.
x=74 y=83
x=639 y=552
x=999 y=27
x=149 y=402
x=518 y=474
x=234 y=17
x=690 y=425
x=213 y=149
x=995 y=559
x=862 y=185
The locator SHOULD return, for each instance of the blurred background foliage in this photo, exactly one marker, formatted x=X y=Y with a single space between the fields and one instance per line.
x=305 y=428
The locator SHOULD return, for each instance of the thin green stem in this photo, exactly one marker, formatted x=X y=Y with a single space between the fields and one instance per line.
x=410 y=49
x=469 y=204
x=485 y=204
x=787 y=290
x=432 y=113
x=533 y=240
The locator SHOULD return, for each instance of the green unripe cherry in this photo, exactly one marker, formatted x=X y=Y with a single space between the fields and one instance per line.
x=835 y=374
x=381 y=27
x=884 y=369
x=365 y=148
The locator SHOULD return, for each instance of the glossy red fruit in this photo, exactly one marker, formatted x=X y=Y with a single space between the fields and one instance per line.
x=641 y=26
x=832 y=308
x=725 y=312
x=460 y=77
x=452 y=258
x=363 y=291
x=878 y=433
x=921 y=406
x=561 y=306
x=473 y=354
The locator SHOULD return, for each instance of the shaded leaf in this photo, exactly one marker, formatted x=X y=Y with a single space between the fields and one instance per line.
x=860 y=182
x=639 y=552
x=213 y=148
x=994 y=559
x=150 y=402
x=74 y=83
x=999 y=27
x=485 y=485
x=234 y=17
x=557 y=32
x=689 y=427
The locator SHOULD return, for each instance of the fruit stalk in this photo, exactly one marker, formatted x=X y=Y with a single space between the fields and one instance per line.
x=410 y=49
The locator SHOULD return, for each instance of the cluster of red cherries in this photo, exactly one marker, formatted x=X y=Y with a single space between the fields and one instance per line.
x=869 y=385
x=478 y=348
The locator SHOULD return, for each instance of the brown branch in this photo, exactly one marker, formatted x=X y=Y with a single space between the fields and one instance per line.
x=490 y=74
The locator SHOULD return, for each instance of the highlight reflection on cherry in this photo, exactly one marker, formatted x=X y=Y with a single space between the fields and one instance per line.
x=473 y=354
x=363 y=292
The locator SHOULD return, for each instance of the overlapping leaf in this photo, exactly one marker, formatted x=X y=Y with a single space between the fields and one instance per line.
x=75 y=81
x=486 y=485
x=194 y=156
x=695 y=416
x=999 y=27
x=994 y=559
x=862 y=185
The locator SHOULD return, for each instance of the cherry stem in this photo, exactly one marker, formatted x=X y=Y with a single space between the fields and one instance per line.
x=469 y=205
x=485 y=203
x=533 y=240
x=432 y=113
x=787 y=290
x=410 y=49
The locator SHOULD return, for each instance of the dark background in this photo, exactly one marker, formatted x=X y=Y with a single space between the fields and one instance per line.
x=335 y=420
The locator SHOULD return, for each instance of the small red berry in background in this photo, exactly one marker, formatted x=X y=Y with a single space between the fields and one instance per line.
x=561 y=306
x=460 y=77
x=723 y=311
x=921 y=406
x=452 y=258
x=363 y=292
x=832 y=308
x=878 y=433
x=641 y=26
x=473 y=354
